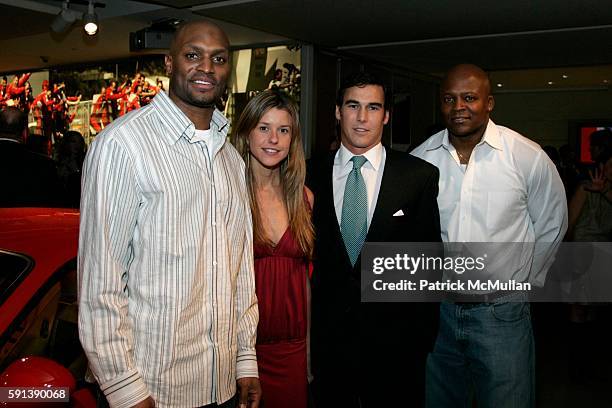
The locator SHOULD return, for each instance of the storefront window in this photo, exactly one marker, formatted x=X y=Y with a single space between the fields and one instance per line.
x=88 y=97
x=257 y=69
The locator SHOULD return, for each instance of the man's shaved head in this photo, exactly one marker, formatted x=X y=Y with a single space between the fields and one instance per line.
x=197 y=24
x=198 y=65
x=12 y=123
x=466 y=71
x=466 y=101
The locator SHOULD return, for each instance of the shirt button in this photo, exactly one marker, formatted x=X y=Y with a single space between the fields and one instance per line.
x=214 y=224
x=214 y=263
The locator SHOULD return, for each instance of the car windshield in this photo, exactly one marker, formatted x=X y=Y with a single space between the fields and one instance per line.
x=13 y=268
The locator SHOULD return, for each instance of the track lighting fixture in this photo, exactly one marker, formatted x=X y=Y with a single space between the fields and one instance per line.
x=65 y=18
x=90 y=20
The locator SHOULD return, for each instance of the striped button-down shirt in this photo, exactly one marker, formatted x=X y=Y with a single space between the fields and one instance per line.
x=167 y=303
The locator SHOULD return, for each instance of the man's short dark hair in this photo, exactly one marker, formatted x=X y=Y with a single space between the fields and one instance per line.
x=361 y=79
x=604 y=156
x=602 y=138
x=12 y=122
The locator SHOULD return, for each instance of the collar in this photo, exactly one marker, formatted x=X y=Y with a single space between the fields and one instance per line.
x=491 y=137
x=179 y=124
x=374 y=156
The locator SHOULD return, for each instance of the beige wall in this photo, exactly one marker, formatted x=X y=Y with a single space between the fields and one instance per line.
x=545 y=116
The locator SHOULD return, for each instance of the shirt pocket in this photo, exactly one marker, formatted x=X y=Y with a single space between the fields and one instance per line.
x=503 y=209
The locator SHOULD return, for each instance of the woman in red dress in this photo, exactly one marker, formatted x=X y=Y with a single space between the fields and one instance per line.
x=267 y=135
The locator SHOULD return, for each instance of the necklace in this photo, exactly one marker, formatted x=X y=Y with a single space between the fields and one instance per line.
x=462 y=158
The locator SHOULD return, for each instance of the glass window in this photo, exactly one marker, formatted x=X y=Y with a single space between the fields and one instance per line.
x=13 y=269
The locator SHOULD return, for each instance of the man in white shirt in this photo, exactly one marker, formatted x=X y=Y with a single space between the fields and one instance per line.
x=495 y=186
x=167 y=306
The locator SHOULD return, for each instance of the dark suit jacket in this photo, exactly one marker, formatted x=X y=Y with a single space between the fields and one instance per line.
x=364 y=351
x=28 y=179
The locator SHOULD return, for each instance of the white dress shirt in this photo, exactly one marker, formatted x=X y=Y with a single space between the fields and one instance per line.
x=167 y=303
x=510 y=191
x=372 y=172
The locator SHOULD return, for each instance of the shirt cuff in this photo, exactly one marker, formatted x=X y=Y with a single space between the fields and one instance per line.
x=126 y=390
x=246 y=365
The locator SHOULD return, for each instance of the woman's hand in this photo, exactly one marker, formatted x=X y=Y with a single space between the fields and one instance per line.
x=598 y=180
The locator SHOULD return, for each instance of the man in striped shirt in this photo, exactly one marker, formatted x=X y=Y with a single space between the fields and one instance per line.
x=167 y=306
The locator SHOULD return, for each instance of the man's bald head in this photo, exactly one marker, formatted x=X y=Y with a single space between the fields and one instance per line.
x=198 y=66
x=464 y=71
x=466 y=101
x=187 y=27
x=12 y=123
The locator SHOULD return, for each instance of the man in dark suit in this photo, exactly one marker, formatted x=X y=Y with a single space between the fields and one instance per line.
x=29 y=179
x=368 y=354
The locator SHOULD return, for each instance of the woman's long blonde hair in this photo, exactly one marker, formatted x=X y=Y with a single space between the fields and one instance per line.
x=292 y=169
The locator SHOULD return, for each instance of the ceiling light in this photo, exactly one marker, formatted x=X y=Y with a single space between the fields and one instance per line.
x=64 y=19
x=564 y=76
x=91 y=24
x=90 y=20
x=550 y=82
x=605 y=81
x=499 y=84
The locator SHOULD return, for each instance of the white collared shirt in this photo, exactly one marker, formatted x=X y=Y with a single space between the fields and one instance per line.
x=509 y=192
x=167 y=303
x=371 y=171
x=212 y=144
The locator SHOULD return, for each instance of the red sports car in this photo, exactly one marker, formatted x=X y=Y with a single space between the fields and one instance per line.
x=38 y=300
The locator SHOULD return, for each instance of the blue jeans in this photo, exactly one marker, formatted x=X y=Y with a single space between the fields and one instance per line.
x=483 y=350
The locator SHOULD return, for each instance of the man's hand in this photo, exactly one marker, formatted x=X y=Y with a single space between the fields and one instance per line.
x=249 y=392
x=148 y=403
